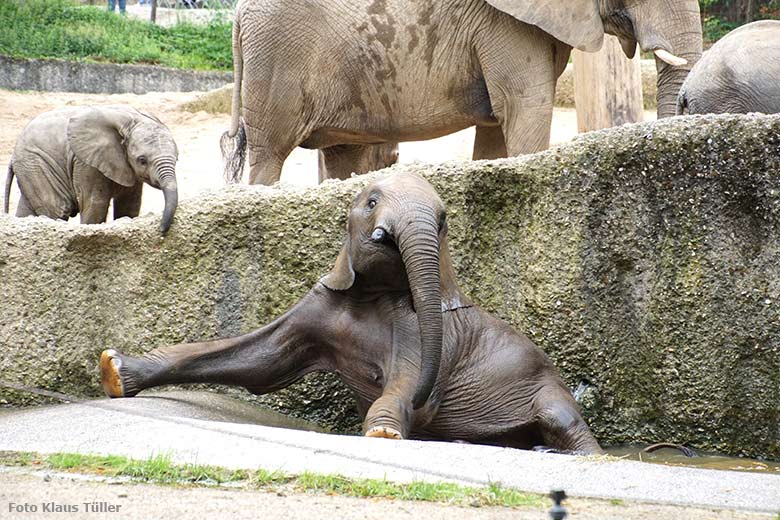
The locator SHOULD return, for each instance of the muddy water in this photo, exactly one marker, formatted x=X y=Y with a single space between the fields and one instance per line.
x=672 y=457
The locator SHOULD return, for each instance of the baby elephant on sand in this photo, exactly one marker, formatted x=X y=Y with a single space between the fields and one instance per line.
x=422 y=360
x=76 y=160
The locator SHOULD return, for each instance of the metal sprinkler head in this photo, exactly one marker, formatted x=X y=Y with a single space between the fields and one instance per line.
x=558 y=512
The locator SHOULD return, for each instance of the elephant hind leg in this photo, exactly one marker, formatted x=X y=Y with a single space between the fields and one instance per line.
x=561 y=426
x=489 y=143
x=341 y=161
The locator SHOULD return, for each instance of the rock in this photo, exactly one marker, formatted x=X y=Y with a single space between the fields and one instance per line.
x=644 y=259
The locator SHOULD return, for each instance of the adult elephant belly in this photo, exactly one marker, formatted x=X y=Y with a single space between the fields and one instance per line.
x=401 y=119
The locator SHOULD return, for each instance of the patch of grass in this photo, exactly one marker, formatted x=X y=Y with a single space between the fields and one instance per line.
x=493 y=495
x=62 y=29
x=160 y=469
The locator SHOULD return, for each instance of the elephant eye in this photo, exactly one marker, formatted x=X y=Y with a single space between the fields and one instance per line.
x=371 y=203
x=142 y=160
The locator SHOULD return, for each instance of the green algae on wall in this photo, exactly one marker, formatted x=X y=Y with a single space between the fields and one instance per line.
x=644 y=260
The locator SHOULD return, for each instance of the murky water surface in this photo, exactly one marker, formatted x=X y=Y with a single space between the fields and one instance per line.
x=672 y=457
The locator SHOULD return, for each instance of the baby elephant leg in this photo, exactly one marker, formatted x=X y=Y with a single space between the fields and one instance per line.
x=390 y=416
x=560 y=423
x=262 y=361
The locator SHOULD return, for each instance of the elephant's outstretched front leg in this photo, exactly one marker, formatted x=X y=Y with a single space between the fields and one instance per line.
x=262 y=361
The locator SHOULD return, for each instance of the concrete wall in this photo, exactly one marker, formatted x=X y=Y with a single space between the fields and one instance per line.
x=644 y=259
x=103 y=78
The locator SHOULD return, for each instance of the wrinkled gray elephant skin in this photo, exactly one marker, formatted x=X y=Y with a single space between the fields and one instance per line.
x=77 y=160
x=739 y=74
x=391 y=321
x=371 y=73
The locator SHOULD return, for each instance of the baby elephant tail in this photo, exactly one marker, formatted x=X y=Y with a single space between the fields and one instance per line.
x=8 y=181
x=234 y=153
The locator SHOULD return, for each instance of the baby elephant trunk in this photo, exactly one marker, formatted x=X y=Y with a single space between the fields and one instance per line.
x=167 y=181
x=418 y=242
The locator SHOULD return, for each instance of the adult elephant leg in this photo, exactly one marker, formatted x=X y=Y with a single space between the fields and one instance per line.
x=262 y=361
x=341 y=161
x=560 y=423
x=521 y=66
x=489 y=143
x=526 y=120
x=265 y=158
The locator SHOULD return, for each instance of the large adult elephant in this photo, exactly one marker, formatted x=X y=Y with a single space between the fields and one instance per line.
x=346 y=76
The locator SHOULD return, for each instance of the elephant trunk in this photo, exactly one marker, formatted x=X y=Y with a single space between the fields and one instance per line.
x=685 y=40
x=166 y=178
x=418 y=242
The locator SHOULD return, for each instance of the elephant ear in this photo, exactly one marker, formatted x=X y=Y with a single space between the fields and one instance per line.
x=96 y=136
x=628 y=45
x=342 y=276
x=574 y=22
x=451 y=296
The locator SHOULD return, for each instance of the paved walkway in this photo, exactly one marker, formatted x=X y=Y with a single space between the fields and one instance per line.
x=204 y=428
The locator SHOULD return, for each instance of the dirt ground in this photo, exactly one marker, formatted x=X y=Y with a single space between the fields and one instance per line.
x=24 y=489
x=197 y=136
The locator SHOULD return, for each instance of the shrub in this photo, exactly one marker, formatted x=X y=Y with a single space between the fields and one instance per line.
x=62 y=29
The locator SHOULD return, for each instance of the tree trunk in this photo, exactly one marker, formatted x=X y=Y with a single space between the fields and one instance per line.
x=607 y=87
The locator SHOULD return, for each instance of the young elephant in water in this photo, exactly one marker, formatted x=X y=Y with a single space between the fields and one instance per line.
x=76 y=160
x=423 y=361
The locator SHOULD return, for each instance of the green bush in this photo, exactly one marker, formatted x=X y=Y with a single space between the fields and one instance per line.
x=62 y=29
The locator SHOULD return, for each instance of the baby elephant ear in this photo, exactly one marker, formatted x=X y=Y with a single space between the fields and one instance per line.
x=96 y=136
x=342 y=276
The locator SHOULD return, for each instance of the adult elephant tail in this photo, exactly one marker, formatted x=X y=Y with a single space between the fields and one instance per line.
x=233 y=142
x=8 y=182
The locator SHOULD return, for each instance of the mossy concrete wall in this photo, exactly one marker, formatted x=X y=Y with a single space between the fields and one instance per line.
x=644 y=259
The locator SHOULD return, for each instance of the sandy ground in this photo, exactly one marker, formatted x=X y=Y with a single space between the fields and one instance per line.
x=197 y=136
x=23 y=489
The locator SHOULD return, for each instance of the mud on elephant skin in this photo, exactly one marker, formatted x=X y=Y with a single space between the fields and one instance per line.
x=739 y=74
x=77 y=160
x=422 y=360
x=373 y=73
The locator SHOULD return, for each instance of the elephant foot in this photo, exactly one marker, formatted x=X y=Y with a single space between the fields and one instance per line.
x=111 y=380
x=383 y=432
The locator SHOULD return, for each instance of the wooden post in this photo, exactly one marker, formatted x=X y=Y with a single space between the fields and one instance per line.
x=154 y=11
x=607 y=87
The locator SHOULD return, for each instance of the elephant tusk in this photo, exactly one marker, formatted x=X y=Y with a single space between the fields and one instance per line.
x=668 y=57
